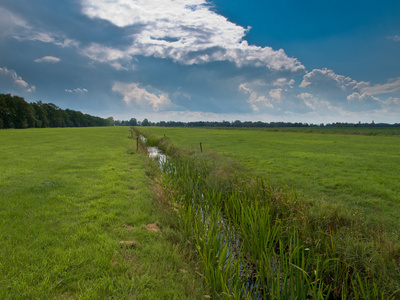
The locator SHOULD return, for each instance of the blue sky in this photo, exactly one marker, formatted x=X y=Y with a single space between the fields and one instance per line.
x=189 y=60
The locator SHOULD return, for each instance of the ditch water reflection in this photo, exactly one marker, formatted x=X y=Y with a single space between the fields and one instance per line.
x=155 y=153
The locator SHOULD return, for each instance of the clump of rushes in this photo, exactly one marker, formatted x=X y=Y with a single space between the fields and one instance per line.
x=258 y=242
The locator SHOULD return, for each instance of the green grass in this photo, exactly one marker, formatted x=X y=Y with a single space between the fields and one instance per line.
x=358 y=172
x=68 y=197
x=256 y=238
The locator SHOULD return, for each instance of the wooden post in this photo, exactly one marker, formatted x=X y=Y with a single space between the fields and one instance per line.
x=201 y=148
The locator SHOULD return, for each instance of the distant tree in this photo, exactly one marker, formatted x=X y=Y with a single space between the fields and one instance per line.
x=133 y=122
x=110 y=121
x=237 y=123
x=145 y=122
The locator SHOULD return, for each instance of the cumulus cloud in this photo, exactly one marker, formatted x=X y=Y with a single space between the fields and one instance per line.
x=11 y=77
x=134 y=94
x=103 y=54
x=77 y=90
x=346 y=92
x=325 y=79
x=361 y=97
x=256 y=100
x=283 y=82
x=276 y=94
x=186 y=31
x=319 y=79
x=314 y=103
x=48 y=59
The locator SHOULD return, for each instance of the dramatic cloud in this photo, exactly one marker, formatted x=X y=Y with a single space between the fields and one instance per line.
x=182 y=59
x=186 y=31
x=11 y=77
x=48 y=59
x=134 y=94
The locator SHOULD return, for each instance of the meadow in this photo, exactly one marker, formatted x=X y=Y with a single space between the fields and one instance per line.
x=282 y=215
x=359 y=172
x=68 y=198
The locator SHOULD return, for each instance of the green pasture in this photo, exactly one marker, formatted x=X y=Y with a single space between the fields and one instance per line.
x=68 y=197
x=309 y=216
x=359 y=173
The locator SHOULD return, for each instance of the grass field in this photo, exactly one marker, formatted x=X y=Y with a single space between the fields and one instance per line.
x=359 y=172
x=68 y=197
x=287 y=215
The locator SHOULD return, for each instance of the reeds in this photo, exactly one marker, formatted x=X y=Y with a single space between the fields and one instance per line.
x=256 y=242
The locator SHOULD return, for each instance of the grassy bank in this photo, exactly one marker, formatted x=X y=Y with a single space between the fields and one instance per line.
x=258 y=239
x=68 y=197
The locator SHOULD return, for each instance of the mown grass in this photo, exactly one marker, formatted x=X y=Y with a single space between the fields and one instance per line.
x=68 y=197
x=257 y=239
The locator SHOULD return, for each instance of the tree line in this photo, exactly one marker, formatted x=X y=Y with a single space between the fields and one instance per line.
x=15 y=112
x=238 y=124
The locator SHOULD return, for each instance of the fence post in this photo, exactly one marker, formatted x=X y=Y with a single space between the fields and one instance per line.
x=201 y=148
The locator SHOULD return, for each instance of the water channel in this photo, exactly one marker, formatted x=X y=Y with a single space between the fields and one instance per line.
x=233 y=240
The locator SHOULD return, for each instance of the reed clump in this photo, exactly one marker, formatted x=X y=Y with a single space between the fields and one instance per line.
x=256 y=241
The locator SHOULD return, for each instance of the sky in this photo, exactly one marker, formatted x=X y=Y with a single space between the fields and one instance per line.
x=206 y=60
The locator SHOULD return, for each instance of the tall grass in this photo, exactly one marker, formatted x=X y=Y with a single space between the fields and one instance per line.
x=255 y=241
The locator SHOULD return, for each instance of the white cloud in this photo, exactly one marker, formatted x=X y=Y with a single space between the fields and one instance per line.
x=392 y=86
x=77 y=90
x=315 y=104
x=43 y=36
x=345 y=93
x=392 y=105
x=283 y=82
x=104 y=54
x=255 y=100
x=186 y=31
x=13 y=78
x=14 y=26
x=48 y=59
x=327 y=79
x=276 y=94
x=134 y=94
x=361 y=97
